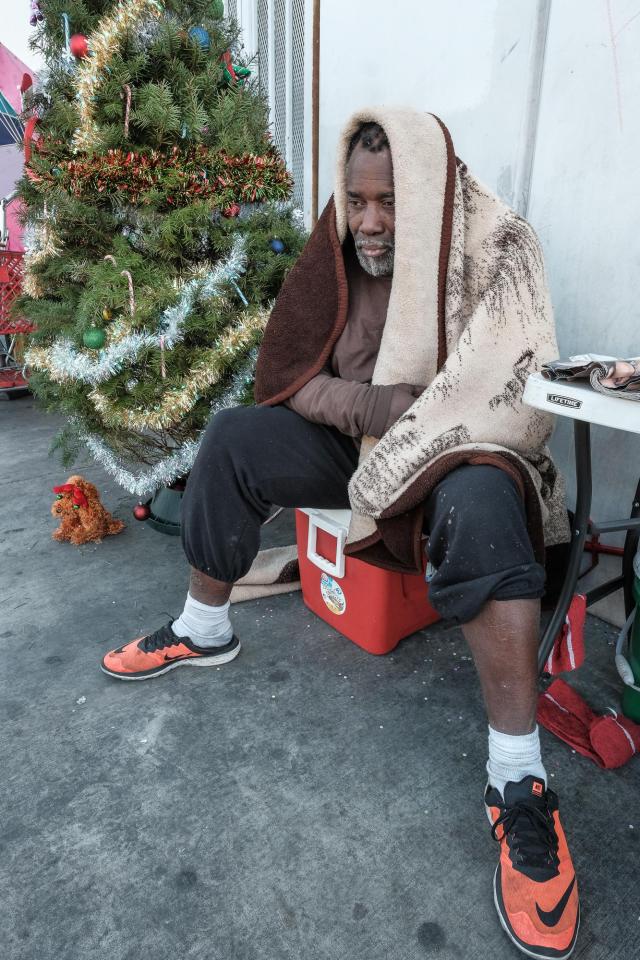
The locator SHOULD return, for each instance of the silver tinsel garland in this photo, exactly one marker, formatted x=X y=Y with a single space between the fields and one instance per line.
x=66 y=362
x=180 y=461
x=282 y=207
x=174 y=317
x=137 y=228
x=161 y=474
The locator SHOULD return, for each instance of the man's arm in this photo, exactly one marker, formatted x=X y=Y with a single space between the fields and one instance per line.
x=357 y=409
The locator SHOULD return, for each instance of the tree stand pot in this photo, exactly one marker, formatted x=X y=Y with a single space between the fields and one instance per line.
x=165 y=506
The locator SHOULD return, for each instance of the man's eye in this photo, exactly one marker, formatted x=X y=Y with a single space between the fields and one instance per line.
x=389 y=203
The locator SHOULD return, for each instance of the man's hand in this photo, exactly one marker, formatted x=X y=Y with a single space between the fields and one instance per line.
x=403 y=396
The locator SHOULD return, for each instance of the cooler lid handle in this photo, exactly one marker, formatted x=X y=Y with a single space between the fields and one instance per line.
x=336 y=530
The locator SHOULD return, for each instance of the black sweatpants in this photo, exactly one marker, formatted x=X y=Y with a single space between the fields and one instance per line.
x=252 y=458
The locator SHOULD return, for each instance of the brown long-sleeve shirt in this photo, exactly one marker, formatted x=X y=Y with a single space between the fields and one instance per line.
x=342 y=394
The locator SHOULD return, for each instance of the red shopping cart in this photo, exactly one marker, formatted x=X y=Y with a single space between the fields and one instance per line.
x=12 y=329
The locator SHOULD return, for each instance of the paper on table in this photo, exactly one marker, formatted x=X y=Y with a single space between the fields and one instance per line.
x=608 y=375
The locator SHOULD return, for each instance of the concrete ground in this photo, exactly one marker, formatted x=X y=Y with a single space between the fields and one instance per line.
x=306 y=802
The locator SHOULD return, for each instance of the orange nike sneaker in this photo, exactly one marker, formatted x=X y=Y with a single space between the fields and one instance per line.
x=535 y=888
x=158 y=652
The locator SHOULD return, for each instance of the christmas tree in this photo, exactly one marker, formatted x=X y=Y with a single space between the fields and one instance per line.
x=159 y=228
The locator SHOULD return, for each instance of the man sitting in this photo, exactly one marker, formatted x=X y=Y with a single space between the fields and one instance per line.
x=390 y=381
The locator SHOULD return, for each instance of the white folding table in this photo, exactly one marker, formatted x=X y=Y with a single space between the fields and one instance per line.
x=585 y=406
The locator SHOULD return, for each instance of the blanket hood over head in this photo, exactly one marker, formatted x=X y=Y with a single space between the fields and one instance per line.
x=469 y=318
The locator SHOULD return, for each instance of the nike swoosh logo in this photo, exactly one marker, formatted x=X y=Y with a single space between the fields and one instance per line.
x=551 y=917
x=177 y=657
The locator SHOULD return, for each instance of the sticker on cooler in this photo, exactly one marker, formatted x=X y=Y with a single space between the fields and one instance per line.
x=332 y=594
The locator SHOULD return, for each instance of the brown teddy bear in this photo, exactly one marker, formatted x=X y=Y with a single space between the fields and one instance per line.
x=84 y=519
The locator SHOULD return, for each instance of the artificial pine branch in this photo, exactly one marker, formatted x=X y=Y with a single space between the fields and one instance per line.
x=176 y=152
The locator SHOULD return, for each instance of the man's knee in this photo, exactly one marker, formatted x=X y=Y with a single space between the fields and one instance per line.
x=231 y=433
x=478 y=542
x=476 y=522
x=229 y=423
x=237 y=438
x=477 y=501
x=481 y=485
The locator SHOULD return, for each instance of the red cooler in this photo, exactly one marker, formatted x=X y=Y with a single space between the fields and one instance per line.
x=375 y=608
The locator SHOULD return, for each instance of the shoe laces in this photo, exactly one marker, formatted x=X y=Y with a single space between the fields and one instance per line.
x=164 y=637
x=529 y=830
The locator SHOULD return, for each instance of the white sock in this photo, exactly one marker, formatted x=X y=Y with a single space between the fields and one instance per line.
x=512 y=758
x=207 y=626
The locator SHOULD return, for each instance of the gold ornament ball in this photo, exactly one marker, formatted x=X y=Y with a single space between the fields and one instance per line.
x=107 y=314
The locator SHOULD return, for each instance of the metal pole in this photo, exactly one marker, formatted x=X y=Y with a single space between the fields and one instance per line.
x=271 y=70
x=288 y=85
x=531 y=113
x=582 y=442
x=315 y=112
x=4 y=232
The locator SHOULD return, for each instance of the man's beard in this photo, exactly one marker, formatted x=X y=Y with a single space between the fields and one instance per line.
x=381 y=266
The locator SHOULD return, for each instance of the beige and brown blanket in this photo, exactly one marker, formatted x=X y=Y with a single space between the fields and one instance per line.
x=469 y=317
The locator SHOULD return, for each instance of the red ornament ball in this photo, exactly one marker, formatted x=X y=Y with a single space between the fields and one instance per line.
x=231 y=211
x=141 y=511
x=79 y=45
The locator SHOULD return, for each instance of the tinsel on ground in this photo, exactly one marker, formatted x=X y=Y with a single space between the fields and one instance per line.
x=159 y=228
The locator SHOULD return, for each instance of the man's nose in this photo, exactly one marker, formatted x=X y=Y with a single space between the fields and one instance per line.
x=371 y=221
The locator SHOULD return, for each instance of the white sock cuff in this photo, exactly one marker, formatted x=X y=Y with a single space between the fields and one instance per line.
x=205 y=608
x=205 y=624
x=523 y=742
x=513 y=757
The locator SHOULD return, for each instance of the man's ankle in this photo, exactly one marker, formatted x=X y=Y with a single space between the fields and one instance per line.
x=207 y=590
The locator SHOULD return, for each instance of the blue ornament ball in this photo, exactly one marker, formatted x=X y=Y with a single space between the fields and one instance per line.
x=277 y=245
x=201 y=37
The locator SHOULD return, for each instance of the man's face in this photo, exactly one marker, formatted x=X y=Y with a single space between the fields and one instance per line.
x=371 y=209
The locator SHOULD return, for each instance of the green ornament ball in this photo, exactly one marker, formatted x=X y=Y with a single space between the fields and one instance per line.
x=217 y=9
x=93 y=338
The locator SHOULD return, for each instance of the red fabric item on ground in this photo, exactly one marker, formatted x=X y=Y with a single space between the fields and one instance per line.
x=609 y=740
x=568 y=650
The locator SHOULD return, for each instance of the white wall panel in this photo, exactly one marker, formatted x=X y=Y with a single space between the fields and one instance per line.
x=585 y=204
x=468 y=62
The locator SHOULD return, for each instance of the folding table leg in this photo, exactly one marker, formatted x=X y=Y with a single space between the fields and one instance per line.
x=582 y=442
x=630 y=547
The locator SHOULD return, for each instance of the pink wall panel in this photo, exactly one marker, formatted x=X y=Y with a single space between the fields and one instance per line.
x=11 y=72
